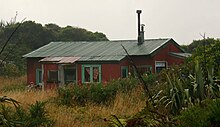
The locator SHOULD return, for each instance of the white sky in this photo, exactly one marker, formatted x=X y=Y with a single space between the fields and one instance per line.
x=183 y=20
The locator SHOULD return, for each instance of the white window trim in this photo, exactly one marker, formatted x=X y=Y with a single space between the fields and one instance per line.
x=158 y=62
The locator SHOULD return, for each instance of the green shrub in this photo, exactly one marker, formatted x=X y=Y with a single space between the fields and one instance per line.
x=193 y=117
x=214 y=113
x=81 y=94
x=38 y=115
x=65 y=96
x=124 y=85
x=95 y=93
x=102 y=94
x=205 y=115
x=16 y=115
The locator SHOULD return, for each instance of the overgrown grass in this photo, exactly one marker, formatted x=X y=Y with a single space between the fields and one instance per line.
x=124 y=104
x=13 y=84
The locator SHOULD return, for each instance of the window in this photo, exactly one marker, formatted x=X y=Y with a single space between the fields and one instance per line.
x=124 y=71
x=53 y=76
x=70 y=75
x=91 y=73
x=144 y=69
x=38 y=76
x=160 y=65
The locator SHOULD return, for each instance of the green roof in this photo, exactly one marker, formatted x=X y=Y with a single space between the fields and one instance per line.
x=98 y=51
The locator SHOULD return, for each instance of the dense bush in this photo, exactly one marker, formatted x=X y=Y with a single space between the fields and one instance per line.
x=14 y=116
x=206 y=115
x=38 y=115
x=95 y=93
x=124 y=85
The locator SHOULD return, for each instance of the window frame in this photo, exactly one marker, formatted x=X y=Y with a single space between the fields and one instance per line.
x=166 y=65
x=145 y=66
x=91 y=73
x=38 y=77
x=48 y=76
x=126 y=69
x=74 y=78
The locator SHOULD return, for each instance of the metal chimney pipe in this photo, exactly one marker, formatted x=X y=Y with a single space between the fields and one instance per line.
x=139 y=22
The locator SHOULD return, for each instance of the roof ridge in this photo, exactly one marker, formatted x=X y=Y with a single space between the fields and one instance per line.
x=151 y=39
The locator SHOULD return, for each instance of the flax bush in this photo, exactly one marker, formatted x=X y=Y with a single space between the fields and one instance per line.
x=15 y=115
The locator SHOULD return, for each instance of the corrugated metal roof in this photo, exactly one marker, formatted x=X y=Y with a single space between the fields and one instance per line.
x=69 y=59
x=60 y=59
x=50 y=59
x=98 y=51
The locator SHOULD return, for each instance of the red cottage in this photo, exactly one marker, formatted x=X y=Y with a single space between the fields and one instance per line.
x=59 y=63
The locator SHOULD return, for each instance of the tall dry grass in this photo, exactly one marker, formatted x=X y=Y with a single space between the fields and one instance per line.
x=91 y=115
x=8 y=81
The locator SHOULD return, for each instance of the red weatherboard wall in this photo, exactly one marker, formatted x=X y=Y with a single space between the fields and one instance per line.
x=112 y=70
x=79 y=73
x=109 y=70
x=48 y=67
x=32 y=65
x=163 y=55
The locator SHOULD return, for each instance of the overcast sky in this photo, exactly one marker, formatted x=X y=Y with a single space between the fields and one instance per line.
x=182 y=20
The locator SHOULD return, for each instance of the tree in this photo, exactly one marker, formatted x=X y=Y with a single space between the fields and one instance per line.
x=207 y=53
x=31 y=36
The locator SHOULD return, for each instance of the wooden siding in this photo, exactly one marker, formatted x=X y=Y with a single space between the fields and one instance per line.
x=109 y=70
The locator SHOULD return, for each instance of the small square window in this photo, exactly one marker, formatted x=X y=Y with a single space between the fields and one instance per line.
x=160 y=65
x=53 y=76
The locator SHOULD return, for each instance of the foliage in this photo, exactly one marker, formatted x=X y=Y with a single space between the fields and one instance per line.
x=10 y=70
x=193 y=117
x=6 y=118
x=17 y=116
x=31 y=36
x=208 y=54
x=65 y=96
x=95 y=93
x=191 y=48
x=125 y=84
x=149 y=116
x=176 y=94
x=38 y=115
x=214 y=113
x=183 y=91
x=205 y=115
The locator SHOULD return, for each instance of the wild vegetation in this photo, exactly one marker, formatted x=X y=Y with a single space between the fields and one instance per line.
x=61 y=114
x=183 y=96
x=30 y=36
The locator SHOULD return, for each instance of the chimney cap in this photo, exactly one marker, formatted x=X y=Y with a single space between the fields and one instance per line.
x=138 y=11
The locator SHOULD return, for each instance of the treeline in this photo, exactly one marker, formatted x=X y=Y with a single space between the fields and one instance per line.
x=30 y=36
x=192 y=47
